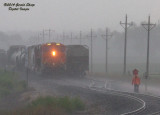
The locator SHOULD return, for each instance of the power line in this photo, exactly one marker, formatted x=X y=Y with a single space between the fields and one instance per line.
x=125 y=25
x=149 y=26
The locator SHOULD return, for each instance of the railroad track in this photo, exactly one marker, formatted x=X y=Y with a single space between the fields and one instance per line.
x=144 y=99
x=136 y=111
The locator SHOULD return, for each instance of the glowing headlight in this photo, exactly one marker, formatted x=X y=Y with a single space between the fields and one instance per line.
x=58 y=44
x=54 y=53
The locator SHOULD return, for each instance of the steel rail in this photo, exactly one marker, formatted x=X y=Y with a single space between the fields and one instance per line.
x=133 y=112
x=125 y=95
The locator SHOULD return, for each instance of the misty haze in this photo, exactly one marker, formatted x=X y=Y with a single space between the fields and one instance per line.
x=79 y=57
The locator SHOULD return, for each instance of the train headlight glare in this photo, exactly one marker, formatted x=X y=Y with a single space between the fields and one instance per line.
x=54 y=53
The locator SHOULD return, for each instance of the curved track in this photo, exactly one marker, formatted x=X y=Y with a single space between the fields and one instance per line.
x=138 y=110
x=151 y=103
x=79 y=86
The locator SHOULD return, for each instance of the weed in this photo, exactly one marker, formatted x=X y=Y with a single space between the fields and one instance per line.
x=65 y=103
x=9 y=83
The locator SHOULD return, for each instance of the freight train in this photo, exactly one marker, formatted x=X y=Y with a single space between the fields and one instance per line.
x=77 y=59
x=3 y=57
x=16 y=56
x=51 y=58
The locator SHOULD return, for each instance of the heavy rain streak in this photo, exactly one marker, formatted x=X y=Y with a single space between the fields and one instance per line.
x=82 y=57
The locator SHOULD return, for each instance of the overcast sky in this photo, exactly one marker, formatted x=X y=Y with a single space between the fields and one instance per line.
x=70 y=15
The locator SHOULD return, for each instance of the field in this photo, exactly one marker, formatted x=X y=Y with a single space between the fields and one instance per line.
x=12 y=89
x=10 y=83
x=50 y=105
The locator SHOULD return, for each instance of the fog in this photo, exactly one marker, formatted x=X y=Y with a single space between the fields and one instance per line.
x=76 y=15
x=64 y=17
x=136 y=46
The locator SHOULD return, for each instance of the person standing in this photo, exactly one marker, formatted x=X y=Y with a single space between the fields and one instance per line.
x=136 y=80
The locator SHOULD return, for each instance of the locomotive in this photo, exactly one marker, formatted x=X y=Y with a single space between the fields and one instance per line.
x=16 y=56
x=3 y=59
x=51 y=58
x=43 y=58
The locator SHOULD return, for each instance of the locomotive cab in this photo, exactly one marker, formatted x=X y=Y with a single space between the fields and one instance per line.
x=53 y=56
x=48 y=57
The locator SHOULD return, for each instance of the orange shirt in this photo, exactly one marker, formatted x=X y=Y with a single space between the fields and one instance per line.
x=136 y=80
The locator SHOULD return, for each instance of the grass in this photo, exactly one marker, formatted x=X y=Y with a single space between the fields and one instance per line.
x=9 y=83
x=65 y=103
x=50 y=106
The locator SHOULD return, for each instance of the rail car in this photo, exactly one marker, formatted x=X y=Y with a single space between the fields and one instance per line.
x=43 y=58
x=16 y=56
x=3 y=57
x=77 y=57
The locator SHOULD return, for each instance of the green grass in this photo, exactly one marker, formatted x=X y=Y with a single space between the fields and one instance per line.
x=50 y=106
x=9 y=83
x=65 y=103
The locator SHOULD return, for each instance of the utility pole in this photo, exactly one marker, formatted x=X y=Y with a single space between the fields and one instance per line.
x=43 y=35
x=80 y=37
x=91 y=62
x=64 y=36
x=27 y=71
x=49 y=33
x=71 y=37
x=59 y=37
x=149 y=26
x=38 y=39
x=107 y=35
x=125 y=25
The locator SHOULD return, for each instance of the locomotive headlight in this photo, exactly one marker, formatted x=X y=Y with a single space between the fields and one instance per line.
x=54 y=53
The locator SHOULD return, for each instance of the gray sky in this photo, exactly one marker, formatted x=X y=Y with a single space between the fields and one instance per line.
x=71 y=15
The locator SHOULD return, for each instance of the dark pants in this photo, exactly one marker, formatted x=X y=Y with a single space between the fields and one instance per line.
x=136 y=88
